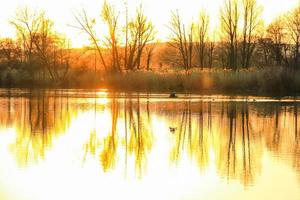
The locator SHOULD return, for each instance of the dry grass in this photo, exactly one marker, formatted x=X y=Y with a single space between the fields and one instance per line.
x=267 y=81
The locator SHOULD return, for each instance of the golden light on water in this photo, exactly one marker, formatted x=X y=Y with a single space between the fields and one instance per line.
x=157 y=10
x=123 y=148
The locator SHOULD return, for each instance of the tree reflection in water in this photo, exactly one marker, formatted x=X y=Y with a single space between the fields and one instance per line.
x=230 y=135
x=137 y=135
x=37 y=120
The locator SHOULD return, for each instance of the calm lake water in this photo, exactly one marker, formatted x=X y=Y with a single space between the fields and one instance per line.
x=77 y=144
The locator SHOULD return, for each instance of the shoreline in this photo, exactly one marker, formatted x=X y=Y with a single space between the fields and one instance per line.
x=273 y=82
x=89 y=93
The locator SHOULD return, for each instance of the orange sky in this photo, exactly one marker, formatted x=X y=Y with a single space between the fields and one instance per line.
x=61 y=11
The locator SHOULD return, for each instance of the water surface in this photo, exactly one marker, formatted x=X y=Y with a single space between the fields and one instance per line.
x=78 y=144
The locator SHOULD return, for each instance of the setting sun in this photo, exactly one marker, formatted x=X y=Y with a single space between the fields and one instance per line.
x=150 y=99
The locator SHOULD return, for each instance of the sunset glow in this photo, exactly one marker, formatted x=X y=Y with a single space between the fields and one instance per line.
x=150 y=99
x=61 y=12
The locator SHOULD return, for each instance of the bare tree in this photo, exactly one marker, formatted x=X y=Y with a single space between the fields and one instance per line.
x=149 y=54
x=202 y=36
x=293 y=25
x=251 y=21
x=40 y=45
x=43 y=43
x=86 y=25
x=126 y=36
x=63 y=57
x=277 y=33
x=229 y=26
x=211 y=50
x=141 y=33
x=110 y=17
x=182 y=39
x=27 y=24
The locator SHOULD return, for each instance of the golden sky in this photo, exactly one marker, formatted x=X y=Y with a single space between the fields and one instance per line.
x=61 y=11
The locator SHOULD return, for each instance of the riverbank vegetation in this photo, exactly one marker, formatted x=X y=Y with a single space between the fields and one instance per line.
x=244 y=55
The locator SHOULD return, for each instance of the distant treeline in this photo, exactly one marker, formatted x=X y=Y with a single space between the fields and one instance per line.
x=41 y=56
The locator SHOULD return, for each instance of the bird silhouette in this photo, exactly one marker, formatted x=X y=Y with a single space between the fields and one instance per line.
x=173 y=95
x=173 y=129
